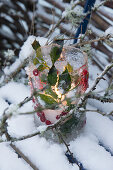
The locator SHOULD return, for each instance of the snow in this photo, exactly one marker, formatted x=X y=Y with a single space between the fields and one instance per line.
x=109 y=31
x=44 y=3
x=9 y=53
x=9 y=159
x=102 y=130
x=11 y=90
x=3 y=105
x=108 y=47
x=93 y=156
x=5 y=30
x=47 y=155
x=42 y=128
x=21 y=125
x=7 y=17
x=106 y=9
x=12 y=109
x=25 y=52
x=78 y=10
x=95 y=30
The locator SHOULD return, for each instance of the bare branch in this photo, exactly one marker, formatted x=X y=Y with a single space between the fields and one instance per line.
x=92 y=41
x=25 y=137
x=98 y=111
x=100 y=98
x=67 y=146
x=23 y=156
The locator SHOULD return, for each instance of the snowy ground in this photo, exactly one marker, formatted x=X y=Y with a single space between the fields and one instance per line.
x=93 y=148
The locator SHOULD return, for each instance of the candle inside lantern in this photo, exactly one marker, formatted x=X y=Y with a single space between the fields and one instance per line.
x=58 y=75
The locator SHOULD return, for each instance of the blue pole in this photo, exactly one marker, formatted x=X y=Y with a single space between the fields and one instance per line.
x=83 y=25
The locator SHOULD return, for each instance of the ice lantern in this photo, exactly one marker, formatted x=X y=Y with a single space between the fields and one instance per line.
x=59 y=75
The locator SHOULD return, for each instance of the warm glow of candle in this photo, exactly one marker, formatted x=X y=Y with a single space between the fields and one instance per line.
x=58 y=92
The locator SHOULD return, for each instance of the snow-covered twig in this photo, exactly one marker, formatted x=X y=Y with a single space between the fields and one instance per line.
x=25 y=137
x=98 y=111
x=14 y=73
x=96 y=7
x=111 y=113
x=107 y=68
x=92 y=41
x=101 y=98
x=10 y=111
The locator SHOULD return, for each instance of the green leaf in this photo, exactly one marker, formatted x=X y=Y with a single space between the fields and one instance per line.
x=64 y=81
x=49 y=91
x=35 y=61
x=49 y=101
x=41 y=67
x=35 y=45
x=70 y=68
x=39 y=54
x=52 y=76
x=55 y=53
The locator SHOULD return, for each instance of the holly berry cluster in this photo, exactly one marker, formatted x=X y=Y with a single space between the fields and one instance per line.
x=43 y=119
x=41 y=115
x=62 y=114
x=84 y=80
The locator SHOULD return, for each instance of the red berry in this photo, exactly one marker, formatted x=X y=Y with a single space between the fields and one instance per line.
x=42 y=113
x=35 y=72
x=38 y=114
x=64 y=113
x=48 y=122
x=42 y=118
x=33 y=99
x=35 y=107
x=58 y=117
x=84 y=80
x=37 y=104
x=84 y=72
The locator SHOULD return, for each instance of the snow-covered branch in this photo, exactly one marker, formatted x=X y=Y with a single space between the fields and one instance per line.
x=97 y=80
